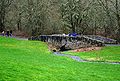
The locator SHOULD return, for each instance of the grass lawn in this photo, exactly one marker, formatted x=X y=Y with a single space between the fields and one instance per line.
x=109 y=54
x=32 y=61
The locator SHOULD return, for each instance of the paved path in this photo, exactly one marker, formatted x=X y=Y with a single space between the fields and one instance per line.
x=21 y=38
x=78 y=59
x=112 y=44
x=16 y=37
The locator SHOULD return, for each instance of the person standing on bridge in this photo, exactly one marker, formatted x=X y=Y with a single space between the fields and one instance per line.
x=10 y=33
x=3 y=33
x=73 y=34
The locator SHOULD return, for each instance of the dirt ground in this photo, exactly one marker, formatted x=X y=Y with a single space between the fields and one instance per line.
x=20 y=34
x=52 y=47
x=87 y=49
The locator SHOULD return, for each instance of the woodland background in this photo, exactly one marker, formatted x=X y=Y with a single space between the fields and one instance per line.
x=36 y=17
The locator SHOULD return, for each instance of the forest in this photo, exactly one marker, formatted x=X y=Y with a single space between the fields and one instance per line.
x=38 y=17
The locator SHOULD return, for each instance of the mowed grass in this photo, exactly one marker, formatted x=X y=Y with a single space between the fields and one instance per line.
x=32 y=61
x=106 y=54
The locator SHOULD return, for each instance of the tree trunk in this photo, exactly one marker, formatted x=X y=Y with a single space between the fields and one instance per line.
x=72 y=24
x=19 y=22
x=2 y=25
x=118 y=22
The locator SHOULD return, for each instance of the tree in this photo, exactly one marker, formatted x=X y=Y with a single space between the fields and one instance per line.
x=4 y=4
x=73 y=13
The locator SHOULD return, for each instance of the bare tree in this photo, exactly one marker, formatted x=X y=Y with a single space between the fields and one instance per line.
x=74 y=12
x=4 y=4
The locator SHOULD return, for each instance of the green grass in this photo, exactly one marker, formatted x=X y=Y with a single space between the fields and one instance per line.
x=32 y=61
x=106 y=54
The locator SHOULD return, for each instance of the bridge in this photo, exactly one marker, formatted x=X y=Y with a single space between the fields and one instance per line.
x=62 y=42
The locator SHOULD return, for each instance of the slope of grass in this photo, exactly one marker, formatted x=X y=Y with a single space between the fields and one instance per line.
x=109 y=54
x=31 y=61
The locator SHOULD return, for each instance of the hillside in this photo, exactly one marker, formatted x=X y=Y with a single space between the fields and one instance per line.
x=22 y=60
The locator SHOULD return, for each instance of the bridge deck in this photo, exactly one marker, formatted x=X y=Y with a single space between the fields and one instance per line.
x=104 y=39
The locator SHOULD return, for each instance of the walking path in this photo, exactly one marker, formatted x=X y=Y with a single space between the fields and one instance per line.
x=21 y=38
x=112 y=44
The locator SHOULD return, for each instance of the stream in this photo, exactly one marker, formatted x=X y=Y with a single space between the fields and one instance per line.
x=78 y=59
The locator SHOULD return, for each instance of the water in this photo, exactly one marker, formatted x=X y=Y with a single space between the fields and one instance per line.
x=78 y=59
